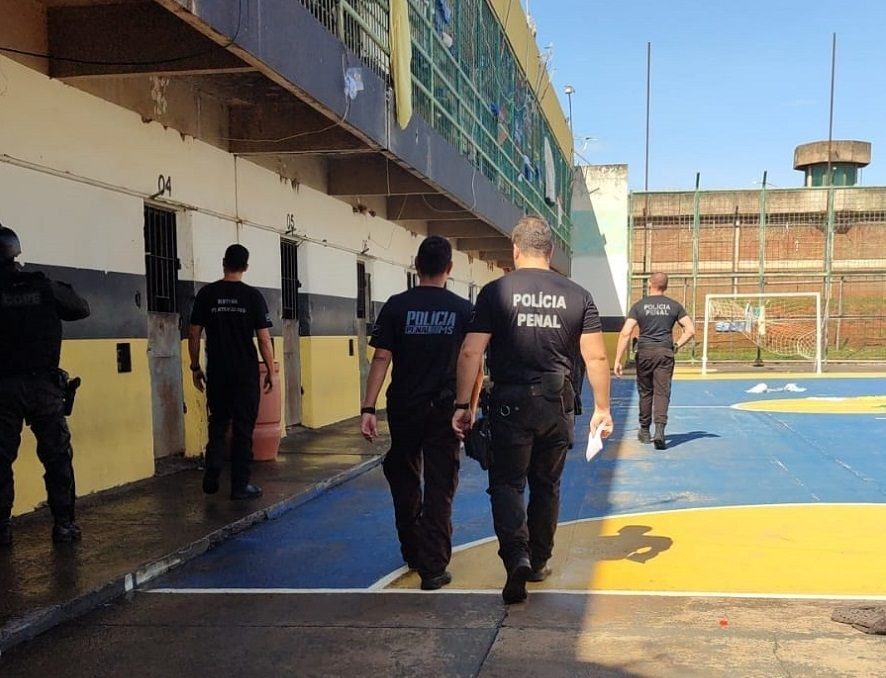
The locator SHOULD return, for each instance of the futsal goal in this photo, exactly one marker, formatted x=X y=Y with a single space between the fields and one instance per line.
x=783 y=325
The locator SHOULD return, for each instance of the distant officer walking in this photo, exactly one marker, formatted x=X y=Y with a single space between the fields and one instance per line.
x=656 y=316
x=232 y=313
x=420 y=331
x=532 y=320
x=32 y=388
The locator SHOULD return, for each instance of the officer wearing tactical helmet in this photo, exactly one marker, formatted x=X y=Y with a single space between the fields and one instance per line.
x=32 y=388
x=533 y=321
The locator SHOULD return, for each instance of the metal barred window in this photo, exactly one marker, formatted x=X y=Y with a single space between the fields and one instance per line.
x=289 y=278
x=161 y=260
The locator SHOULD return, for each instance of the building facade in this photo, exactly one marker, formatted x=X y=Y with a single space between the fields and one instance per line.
x=139 y=139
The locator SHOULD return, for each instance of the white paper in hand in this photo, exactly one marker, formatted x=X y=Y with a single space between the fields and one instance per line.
x=595 y=443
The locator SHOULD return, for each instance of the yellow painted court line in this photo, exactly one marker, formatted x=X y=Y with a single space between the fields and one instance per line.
x=692 y=375
x=816 y=405
x=799 y=550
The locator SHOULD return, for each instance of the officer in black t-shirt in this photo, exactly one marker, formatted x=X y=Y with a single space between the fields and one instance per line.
x=32 y=388
x=232 y=313
x=421 y=331
x=532 y=321
x=656 y=316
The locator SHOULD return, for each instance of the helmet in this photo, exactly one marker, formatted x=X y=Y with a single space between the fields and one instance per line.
x=10 y=247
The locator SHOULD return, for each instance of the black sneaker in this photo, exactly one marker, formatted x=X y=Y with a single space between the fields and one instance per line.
x=515 y=586
x=539 y=573
x=437 y=582
x=643 y=435
x=210 y=481
x=6 y=532
x=250 y=491
x=65 y=532
x=659 y=438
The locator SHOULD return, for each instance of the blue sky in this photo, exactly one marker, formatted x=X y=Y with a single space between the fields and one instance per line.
x=735 y=85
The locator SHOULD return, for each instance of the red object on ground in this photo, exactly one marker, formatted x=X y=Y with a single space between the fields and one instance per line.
x=266 y=436
x=724 y=622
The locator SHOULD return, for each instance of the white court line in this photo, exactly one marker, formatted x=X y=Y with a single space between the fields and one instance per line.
x=535 y=592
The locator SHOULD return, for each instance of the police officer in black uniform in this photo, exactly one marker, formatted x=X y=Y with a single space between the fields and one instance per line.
x=232 y=313
x=655 y=315
x=32 y=388
x=531 y=320
x=421 y=331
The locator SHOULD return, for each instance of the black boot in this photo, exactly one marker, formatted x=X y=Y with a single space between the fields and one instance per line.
x=65 y=532
x=659 y=438
x=248 y=491
x=515 y=586
x=210 y=480
x=643 y=435
x=6 y=532
x=539 y=573
x=435 y=582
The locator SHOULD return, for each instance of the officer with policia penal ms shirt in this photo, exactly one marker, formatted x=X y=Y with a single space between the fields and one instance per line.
x=531 y=320
x=32 y=387
x=655 y=315
x=421 y=331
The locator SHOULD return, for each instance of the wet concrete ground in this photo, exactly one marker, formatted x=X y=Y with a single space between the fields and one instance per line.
x=449 y=634
x=125 y=530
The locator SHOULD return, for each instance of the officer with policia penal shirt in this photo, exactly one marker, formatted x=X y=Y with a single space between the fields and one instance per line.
x=531 y=320
x=420 y=331
x=32 y=387
x=655 y=315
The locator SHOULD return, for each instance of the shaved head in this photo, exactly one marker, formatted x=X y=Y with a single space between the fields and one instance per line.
x=659 y=281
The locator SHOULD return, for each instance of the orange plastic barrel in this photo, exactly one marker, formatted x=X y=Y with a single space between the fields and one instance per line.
x=266 y=436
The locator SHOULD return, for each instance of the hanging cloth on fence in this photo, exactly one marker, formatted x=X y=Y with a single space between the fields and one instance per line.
x=401 y=60
x=550 y=175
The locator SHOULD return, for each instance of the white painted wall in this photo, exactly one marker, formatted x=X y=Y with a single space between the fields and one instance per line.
x=76 y=192
x=59 y=221
x=600 y=235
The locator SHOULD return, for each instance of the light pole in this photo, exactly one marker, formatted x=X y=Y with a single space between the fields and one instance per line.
x=569 y=90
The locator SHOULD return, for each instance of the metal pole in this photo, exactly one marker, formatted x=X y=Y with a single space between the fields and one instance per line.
x=831 y=114
x=696 y=224
x=761 y=264
x=648 y=90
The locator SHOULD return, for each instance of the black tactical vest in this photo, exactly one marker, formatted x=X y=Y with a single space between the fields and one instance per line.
x=30 y=329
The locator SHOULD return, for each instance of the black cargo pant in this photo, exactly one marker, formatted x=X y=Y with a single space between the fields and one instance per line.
x=655 y=370
x=232 y=396
x=530 y=437
x=423 y=445
x=37 y=399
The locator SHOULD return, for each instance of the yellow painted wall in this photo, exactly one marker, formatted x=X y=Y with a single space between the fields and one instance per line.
x=111 y=427
x=331 y=380
x=511 y=15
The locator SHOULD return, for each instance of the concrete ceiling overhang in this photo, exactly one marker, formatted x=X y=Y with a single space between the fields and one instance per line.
x=282 y=75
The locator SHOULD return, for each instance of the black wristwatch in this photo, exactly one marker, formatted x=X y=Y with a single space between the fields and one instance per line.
x=462 y=406
x=195 y=368
x=367 y=410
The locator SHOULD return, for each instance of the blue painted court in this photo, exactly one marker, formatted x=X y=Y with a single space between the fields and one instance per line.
x=718 y=456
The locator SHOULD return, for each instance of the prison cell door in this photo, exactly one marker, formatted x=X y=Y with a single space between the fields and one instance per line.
x=164 y=332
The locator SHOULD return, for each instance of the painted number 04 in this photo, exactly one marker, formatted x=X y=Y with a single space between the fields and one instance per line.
x=164 y=185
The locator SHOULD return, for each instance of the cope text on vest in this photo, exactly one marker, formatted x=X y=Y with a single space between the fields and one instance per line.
x=656 y=309
x=19 y=299
x=537 y=302
x=429 y=322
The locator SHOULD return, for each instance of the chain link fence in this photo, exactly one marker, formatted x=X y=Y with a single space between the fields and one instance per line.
x=829 y=241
